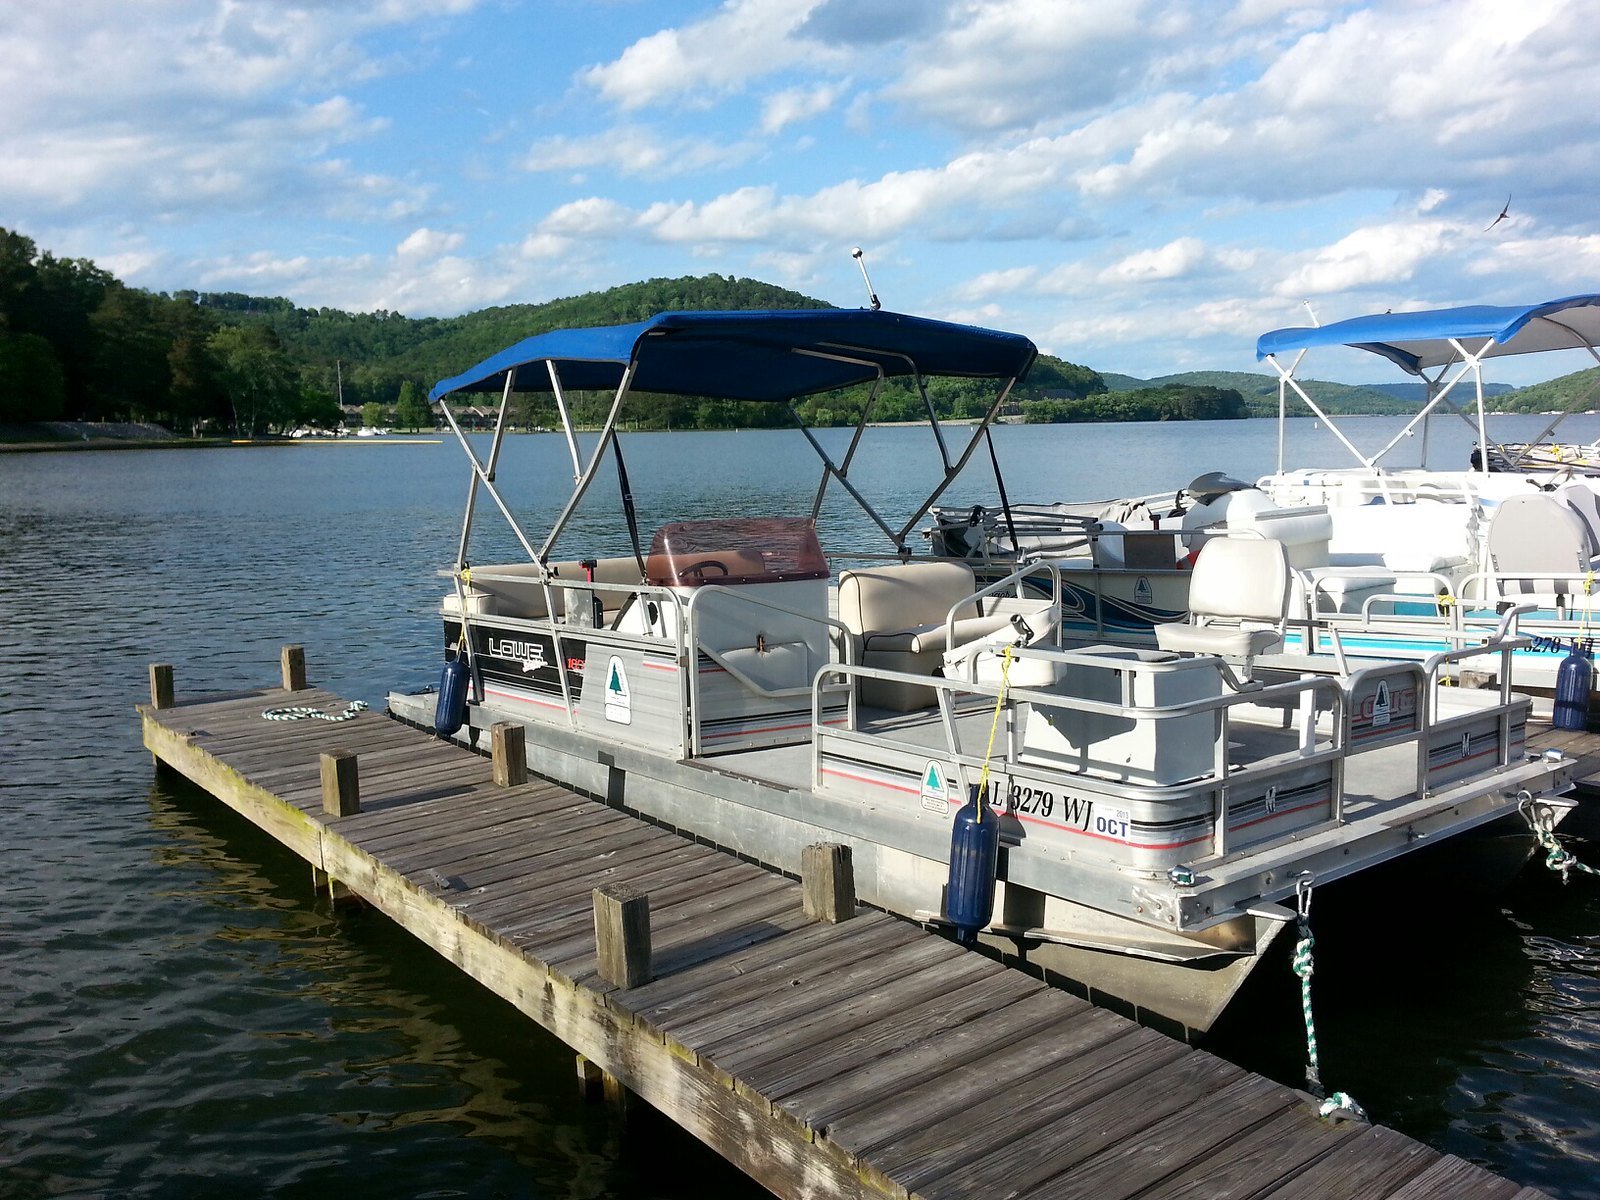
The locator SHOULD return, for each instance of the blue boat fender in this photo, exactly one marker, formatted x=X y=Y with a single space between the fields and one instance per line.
x=1574 y=677
x=974 y=861
x=450 y=712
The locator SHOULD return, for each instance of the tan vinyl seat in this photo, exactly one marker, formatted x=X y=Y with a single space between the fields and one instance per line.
x=1238 y=602
x=897 y=613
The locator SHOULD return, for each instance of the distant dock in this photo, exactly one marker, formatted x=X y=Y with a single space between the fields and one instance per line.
x=826 y=1049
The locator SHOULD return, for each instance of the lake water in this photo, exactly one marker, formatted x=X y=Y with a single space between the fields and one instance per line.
x=183 y=1015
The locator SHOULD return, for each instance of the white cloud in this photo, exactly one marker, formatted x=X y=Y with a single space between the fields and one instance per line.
x=1376 y=255
x=1172 y=261
x=782 y=109
x=744 y=40
x=186 y=106
x=593 y=217
x=638 y=151
x=428 y=243
x=995 y=283
x=1016 y=62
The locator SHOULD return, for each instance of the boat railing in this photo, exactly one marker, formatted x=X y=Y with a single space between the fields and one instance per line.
x=570 y=627
x=1509 y=712
x=838 y=634
x=1502 y=647
x=1014 y=583
x=1356 y=486
x=1318 y=587
x=1308 y=696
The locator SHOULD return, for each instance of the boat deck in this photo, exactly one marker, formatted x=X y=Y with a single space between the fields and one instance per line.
x=864 y=1058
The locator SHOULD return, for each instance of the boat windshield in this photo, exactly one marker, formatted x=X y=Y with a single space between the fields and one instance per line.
x=735 y=551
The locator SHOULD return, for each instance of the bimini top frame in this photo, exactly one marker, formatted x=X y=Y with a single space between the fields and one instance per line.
x=776 y=356
x=1437 y=341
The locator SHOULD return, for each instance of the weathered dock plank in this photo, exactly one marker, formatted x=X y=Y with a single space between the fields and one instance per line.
x=864 y=1058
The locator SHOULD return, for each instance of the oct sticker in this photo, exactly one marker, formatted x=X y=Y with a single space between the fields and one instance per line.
x=1111 y=822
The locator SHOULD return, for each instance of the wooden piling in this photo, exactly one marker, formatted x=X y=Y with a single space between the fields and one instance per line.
x=509 y=752
x=341 y=784
x=591 y=1081
x=292 y=660
x=161 y=694
x=622 y=935
x=828 y=878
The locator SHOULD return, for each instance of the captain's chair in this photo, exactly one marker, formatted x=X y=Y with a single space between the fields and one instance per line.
x=1238 y=602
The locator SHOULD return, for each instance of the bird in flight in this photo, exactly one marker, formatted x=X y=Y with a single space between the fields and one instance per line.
x=1504 y=213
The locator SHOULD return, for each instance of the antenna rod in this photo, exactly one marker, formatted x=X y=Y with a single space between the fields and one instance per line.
x=862 y=263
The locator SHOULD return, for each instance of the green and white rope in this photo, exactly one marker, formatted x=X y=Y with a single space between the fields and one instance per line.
x=1557 y=857
x=1338 y=1105
x=303 y=712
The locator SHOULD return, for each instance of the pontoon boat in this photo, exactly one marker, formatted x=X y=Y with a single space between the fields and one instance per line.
x=731 y=678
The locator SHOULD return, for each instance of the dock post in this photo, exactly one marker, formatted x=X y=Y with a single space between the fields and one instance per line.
x=595 y=1083
x=591 y=1080
x=161 y=694
x=828 y=879
x=341 y=784
x=338 y=893
x=292 y=659
x=622 y=934
x=509 y=753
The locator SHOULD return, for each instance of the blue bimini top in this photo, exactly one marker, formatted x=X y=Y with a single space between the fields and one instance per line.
x=1416 y=340
x=775 y=355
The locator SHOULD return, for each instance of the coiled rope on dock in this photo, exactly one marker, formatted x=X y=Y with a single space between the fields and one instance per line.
x=304 y=712
x=1338 y=1105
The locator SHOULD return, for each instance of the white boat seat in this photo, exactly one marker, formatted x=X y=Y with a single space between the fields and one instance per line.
x=1422 y=536
x=1238 y=602
x=1541 y=544
x=1226 y=641
x=1344 y=589
x=1581 y=499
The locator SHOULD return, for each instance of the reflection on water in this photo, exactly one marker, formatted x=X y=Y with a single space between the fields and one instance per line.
x=186 y=1016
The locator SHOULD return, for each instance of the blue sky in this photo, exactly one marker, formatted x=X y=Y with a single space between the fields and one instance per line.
x=1143 y=186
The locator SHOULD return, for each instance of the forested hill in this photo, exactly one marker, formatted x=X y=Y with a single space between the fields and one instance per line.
x=1578 y=392
x=1260 y=392
x=379 y=350
x=77 y=343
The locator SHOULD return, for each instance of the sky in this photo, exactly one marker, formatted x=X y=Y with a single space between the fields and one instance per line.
x=1142 y=186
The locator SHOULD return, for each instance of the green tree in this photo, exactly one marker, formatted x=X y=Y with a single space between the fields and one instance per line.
x=317 y=409
x=31 y=384
x=411 y=410
x=195 y=395
x=256 y=377
x=373 y=415
x=130 y=374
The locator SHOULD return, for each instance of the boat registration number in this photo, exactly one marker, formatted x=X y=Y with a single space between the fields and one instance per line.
x=1026 y=799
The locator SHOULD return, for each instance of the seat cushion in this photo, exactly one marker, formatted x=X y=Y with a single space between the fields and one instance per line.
x=1224 y=640
x=930 y=639
x=904 y=597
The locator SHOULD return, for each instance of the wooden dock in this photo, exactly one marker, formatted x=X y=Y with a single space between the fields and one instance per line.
x=858 y=1057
